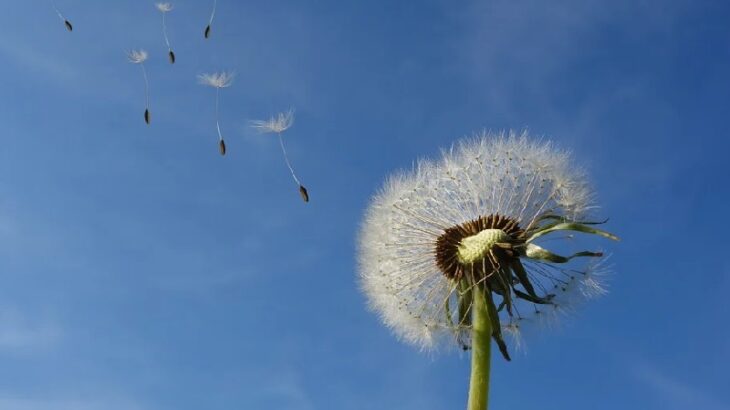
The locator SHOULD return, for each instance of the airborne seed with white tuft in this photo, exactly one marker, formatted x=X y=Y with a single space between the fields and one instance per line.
x=218 y=80
x=207 y=31
x=69 y=27
x=139 y=57
x=165 y=8
x=277 y=125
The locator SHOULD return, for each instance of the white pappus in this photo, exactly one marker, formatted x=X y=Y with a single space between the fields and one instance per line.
x=473 y=219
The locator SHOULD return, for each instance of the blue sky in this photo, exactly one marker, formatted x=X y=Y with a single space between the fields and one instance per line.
x=140 y=270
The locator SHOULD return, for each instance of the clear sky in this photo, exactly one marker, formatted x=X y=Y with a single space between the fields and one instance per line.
x=141 y=270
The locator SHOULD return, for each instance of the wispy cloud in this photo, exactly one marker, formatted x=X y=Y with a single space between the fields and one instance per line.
x=675 y=393
x=515 y=52
x=16 y=403
x=286 y=387
x=18 y=333
x=28 y=58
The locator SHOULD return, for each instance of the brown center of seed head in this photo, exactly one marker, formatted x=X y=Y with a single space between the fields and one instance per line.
x=447 y=247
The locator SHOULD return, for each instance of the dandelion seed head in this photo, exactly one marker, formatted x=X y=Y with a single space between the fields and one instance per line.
x=137 y=56
x=221 y=79
x=164 y=7
x=466 y=220
x=276 y=124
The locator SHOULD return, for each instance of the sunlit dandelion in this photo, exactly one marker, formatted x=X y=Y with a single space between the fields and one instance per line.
x=65 y=21
x=277 y=125
x=441 y=243
x=206 y=33
x=139 y=57
x=217 y=80
x=165 y=8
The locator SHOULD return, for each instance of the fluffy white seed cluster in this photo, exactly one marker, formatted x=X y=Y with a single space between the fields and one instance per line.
x=276 y=124
x=164 y=7
x=137 y=56
x=505 y=174
x=221 y=79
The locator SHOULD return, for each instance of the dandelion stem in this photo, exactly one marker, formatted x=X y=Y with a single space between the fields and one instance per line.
x=286 y=159
x=480 y=351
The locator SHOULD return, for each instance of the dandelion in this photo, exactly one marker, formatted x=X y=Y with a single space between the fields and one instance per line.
x=278 y=124
x=217 y=80
x=454 y=252
x=165 y=8
x=139 y=57
x=66 y=23
x=206 y=33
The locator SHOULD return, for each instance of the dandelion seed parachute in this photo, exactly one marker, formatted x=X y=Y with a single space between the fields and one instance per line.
x=139 y=57
x=277 y=125
x=468 y=221
x=217 y=80
x=165 y=8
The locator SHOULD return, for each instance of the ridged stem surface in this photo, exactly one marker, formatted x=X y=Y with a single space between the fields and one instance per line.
x=481 y=344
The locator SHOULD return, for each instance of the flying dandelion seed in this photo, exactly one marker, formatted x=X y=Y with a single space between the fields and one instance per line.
x=139 y=57
x=206 y=33
x=278 y=124
x=217 y=80
x=440 y=243
x=165 y=8
x=66 y=23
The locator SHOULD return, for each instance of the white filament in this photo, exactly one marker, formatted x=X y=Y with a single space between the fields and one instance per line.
x=212 y=13
x=164 y=32
x=146 y=87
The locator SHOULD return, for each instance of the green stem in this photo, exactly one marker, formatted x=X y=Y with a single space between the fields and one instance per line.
x=481 y=344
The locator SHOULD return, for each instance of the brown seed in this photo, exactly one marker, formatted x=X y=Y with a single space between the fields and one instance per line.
x=303 y=192
x=222 y=147
x=69 y=27
x=172 y=57
x=207 y=31
x=147 y=116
